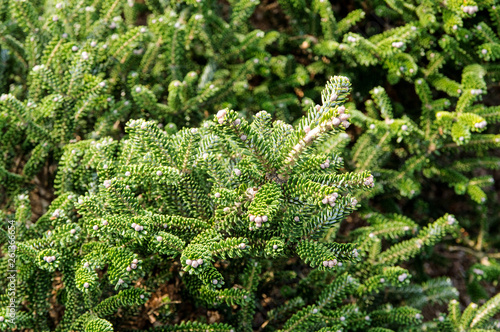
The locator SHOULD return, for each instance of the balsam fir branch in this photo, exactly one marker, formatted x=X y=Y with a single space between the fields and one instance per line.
x=79 y=71
x=351 y=297
x=426 y=141
x=144 y=205
x=236 y=208
x=224 y=191
x=415 y=52
x=473 y=318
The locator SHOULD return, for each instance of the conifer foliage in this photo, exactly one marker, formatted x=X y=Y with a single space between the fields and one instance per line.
x=81 y=70
x=189 y=199
x=193 y=183
x=368 y=281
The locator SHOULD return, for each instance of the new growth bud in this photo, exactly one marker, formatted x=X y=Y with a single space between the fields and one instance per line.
x=220 y=116
x=330 y=199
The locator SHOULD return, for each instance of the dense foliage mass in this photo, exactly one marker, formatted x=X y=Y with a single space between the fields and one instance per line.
x=166 y=165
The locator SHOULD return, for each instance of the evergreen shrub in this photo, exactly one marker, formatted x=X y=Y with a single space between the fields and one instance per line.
x=141 y=200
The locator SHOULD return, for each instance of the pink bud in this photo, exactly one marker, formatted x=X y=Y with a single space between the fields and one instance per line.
x=221 y=114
